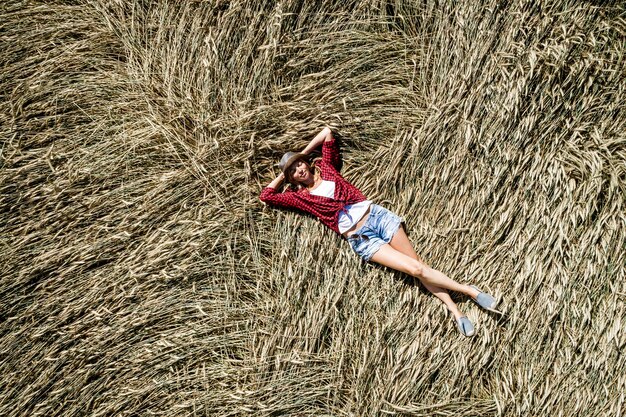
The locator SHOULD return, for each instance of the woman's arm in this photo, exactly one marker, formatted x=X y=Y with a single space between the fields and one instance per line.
x=277 y=181
x=271 y=196
x=325 y=135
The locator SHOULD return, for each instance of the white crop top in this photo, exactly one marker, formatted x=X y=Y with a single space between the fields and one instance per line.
x=352 y=213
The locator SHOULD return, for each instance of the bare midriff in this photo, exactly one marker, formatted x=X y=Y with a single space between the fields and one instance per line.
x=358 y=224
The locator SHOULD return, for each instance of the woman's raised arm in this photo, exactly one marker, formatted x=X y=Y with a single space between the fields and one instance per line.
x=325 y=135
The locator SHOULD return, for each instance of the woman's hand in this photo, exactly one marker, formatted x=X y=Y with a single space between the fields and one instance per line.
x=325 y=135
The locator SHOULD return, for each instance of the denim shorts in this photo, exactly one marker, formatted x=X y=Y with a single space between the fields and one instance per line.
x=379 y=228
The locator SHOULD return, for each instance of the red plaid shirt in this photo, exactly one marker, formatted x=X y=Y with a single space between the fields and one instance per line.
x=324 y=208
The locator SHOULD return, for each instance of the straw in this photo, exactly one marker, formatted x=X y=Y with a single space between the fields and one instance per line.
x=141 y=275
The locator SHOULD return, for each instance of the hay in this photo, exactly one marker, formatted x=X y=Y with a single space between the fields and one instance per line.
x=140 y=275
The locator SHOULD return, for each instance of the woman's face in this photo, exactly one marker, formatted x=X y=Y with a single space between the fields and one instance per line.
x=301 y=172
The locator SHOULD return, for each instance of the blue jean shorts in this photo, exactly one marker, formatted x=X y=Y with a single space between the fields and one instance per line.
x=379 y=228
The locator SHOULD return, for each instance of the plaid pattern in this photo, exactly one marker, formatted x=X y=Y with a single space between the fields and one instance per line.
x=324 y=208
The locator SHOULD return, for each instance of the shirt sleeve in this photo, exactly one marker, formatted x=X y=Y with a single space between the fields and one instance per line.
x=272 y=197
x=330 y=153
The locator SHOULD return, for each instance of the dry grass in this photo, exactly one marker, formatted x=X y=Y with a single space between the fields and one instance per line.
x=140 y=275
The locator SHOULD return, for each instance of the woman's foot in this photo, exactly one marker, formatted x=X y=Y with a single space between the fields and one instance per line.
x=465 y=326
x=485 y=300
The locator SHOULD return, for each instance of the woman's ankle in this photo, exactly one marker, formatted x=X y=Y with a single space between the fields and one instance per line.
x=471 y=292
x=456 y=313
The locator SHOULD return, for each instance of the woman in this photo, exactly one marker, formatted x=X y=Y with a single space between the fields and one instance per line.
x=374 y=233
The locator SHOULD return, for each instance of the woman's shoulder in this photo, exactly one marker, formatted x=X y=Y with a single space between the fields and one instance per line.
x=293 y=190
x=326 y=168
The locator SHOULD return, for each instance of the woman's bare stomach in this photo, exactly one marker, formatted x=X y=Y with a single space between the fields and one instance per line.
x=358 y=224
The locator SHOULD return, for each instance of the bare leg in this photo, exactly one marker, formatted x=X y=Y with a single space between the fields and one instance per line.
x=395 y=259
x=401 y=243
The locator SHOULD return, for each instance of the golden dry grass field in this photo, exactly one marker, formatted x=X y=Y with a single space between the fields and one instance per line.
x=140 y=275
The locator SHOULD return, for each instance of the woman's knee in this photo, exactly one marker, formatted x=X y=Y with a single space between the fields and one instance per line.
x=417 y=269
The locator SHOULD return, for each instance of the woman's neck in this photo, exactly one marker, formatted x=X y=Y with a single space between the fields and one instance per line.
x=314 y=182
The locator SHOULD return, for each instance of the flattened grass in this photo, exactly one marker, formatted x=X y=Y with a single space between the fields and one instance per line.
x=139 y=273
